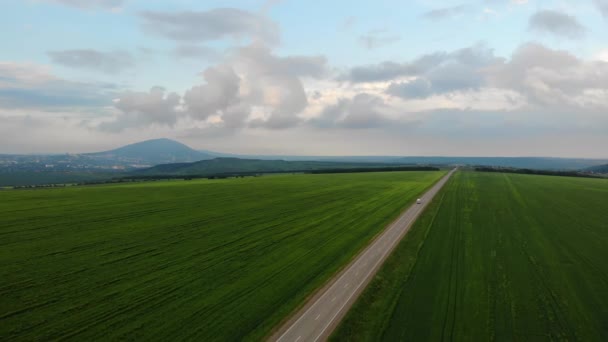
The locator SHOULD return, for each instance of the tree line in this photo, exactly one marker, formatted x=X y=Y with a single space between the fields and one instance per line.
x=535 y=172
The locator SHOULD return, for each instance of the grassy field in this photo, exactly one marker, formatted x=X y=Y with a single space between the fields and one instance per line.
x=495 y=257
x=204 y=260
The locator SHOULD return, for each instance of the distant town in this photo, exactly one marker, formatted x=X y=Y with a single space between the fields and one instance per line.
x=65 y=162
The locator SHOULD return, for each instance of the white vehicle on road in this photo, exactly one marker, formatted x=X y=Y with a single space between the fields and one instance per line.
x=418 y=201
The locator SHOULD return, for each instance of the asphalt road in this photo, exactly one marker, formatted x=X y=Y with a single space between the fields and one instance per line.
x=320 y=316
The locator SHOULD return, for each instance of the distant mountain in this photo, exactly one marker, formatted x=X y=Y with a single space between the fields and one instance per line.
x=236 y=165
x=152 y=152
x=598 y=169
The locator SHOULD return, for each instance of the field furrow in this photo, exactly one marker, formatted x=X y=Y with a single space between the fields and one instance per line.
x=201 y=260
x=504 y=257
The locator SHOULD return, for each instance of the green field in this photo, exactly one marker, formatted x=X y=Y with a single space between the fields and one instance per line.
x=203 y=260
x=495 y=257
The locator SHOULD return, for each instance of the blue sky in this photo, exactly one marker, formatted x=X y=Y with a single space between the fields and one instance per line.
x=424 y=77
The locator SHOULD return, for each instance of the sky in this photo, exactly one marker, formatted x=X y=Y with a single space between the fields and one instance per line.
x=292 y=77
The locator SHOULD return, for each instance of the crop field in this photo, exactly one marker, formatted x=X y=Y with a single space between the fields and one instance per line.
x=204 y=260
x=495 y=257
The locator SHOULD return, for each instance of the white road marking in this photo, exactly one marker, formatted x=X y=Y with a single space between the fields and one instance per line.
x=317 y=318
x=299 y=337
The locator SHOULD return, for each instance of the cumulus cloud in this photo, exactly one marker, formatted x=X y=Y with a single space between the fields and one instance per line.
x=217 y=95
x=387 y=70
x=215 y=24
x=535 y=84
x=27 y=85
x=274 y=83
x=384 y=71
x=253 y=87
x=553 y=79
x=143 y=109
x=545 y=78
x=377 y=38
x=556 y=23
x=390 y=70
x=259 y=60
x=443 y=72
x=108 y=62
x=90 y=4
x=359 y=112
x=445 y=13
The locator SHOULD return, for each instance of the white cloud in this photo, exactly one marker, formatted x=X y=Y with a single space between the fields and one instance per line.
x=252 y=87
x=552 y=79
x=144 y=108
x=556 y=23
x=108 y=62
x=29 y=85
x=215 y=24
x=359 y=112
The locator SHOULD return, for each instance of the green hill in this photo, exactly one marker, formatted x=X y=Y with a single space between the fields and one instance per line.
x=238 y=166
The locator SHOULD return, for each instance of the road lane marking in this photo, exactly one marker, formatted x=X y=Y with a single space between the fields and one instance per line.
x=317 y=318
x=299 y=337
x=346 y=286
x=333 y=299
